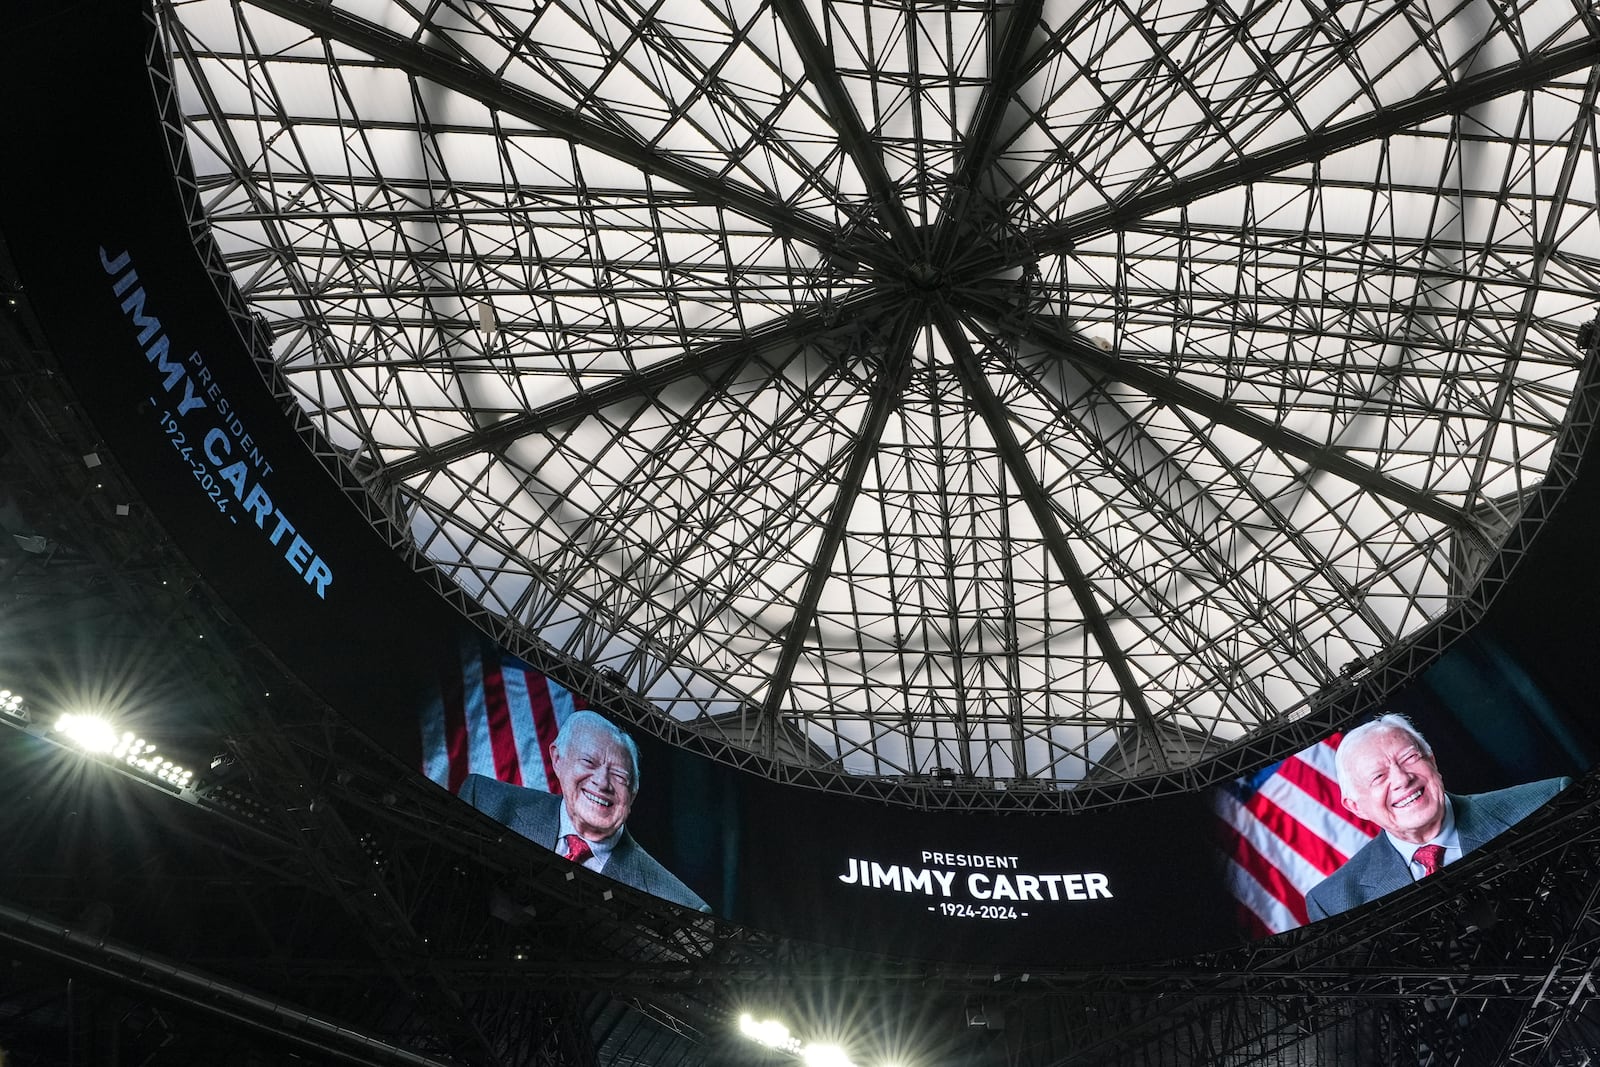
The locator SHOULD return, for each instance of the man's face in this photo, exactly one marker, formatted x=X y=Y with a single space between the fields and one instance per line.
x=1394 y=785
x=596 y=778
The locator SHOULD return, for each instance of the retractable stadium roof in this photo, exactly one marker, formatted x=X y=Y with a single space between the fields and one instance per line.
x=1044 y=391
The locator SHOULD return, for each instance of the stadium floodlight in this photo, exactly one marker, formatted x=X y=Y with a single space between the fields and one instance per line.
x=768 y=1032
x=142 y=755
x=91 y=733
x=96 y=735
x=776 y=1036
x=13 y=707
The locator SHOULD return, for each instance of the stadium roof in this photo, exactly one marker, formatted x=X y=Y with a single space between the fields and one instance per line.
x=1044 y=391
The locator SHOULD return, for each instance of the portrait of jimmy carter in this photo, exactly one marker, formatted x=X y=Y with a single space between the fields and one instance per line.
x=597 y=765
x=1387 y=775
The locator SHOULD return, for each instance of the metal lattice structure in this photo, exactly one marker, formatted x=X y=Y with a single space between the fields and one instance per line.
x=1063 y=395
x=311 y=900
x=1046 y=392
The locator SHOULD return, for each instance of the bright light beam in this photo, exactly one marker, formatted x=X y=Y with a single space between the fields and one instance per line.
x=96 y=735
x=825 y=1056
x=89 y=732
x=775 y=1035
x=768 y=1032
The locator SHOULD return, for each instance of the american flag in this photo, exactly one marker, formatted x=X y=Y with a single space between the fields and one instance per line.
x=493 y=715
x=1283 y=830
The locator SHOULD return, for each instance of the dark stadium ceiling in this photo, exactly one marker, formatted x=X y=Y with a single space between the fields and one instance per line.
x=1037 y=390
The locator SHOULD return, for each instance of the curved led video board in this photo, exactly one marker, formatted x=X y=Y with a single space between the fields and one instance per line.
x=101 y=240
x=1166 y=877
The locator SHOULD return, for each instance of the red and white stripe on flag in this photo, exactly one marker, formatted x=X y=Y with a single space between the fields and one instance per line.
x=1283 y=830
x=494 y=715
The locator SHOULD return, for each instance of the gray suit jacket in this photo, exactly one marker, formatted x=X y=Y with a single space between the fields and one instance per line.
x=536 y=815
x=1377 y=868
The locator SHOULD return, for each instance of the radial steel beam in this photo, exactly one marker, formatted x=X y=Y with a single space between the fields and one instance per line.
x=443 y=69
x=823 y=73
x=1095 y=617
x=1050 y=334
x=1346 y=592
x=1007 y=71
x=795 y=329
x=886 y=393
x=1532 y=72
x=1161 y=506
x=1555 y=217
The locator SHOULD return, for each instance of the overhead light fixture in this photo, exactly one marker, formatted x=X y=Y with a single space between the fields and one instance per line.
x=224 y=765
x=13 y=707
x=776 y=1036
x=89 y=732
x=96 y=735
x=768 y=1032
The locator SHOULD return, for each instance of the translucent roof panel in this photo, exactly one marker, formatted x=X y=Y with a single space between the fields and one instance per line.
x=1053 y=390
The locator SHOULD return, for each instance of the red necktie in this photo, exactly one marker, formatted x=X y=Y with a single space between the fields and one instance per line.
x=576 y=848
x=1430 y=858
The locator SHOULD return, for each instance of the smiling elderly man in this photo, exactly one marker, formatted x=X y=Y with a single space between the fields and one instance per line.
x=1387 y=775
x=597 y=766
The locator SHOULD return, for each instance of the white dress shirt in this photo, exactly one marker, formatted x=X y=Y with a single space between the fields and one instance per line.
x=599 y=851
x=1447 y=836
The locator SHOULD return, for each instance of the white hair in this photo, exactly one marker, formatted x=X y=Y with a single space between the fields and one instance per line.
x=1390 y=721
x=592 y=722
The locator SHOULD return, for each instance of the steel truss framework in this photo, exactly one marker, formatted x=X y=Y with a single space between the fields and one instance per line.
x=336 y=908
x=1047 y=393
x=135 y=923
